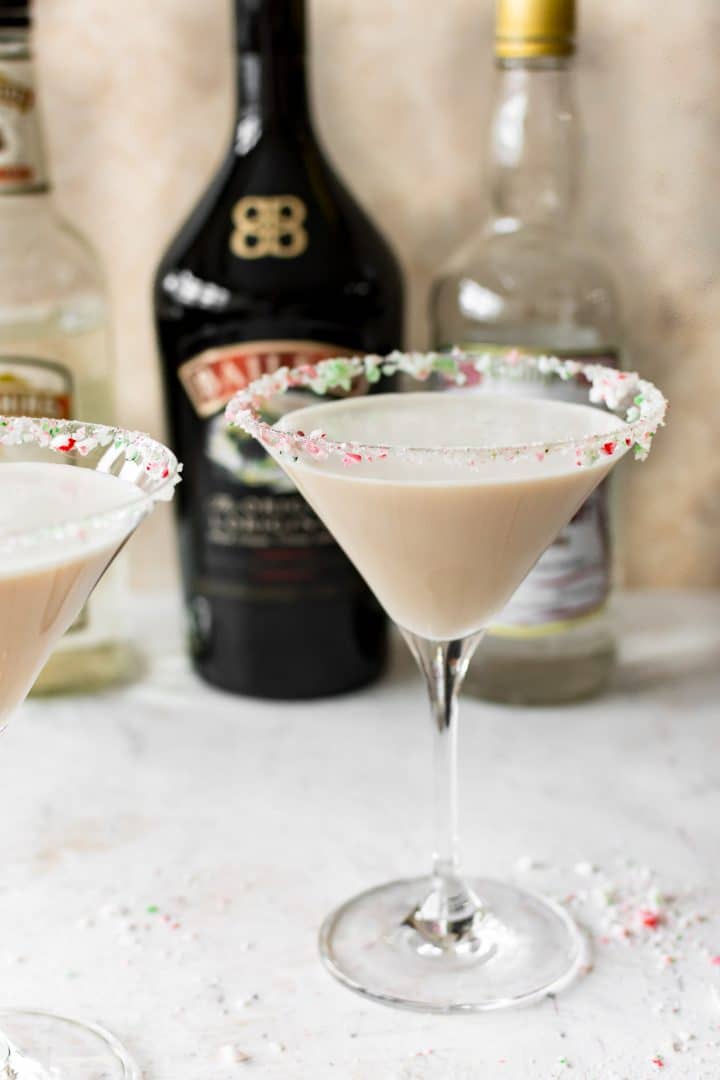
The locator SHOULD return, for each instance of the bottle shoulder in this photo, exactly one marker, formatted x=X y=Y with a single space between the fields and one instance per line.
x=43 y=258
x=282 y=193
x=278 y=244
x=533 y=256
x=541 y=289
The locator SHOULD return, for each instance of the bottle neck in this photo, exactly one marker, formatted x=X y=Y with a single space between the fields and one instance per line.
x=534 y=145
x=272 y=80
x=23 y=167
x=273 y=89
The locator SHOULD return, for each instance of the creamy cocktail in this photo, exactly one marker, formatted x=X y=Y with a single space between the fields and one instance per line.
x=445 y=545
x=42 y=588
x=70 y=496
x=444 y=501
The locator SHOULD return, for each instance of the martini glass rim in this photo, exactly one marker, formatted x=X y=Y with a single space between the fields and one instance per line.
x=637 y=404
x=76 y=439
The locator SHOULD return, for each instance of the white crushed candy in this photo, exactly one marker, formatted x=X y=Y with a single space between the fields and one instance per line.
x=585 y=869
x=527 y=862
x=681 y=1041
x=243 y=1002
x=606 y=896
x=656 y=898
x=715 y=996
x=276 y=1047
x=233 y=1055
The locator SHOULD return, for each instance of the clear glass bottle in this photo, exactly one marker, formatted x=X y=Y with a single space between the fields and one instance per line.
x=54 y=336
x=528 y=282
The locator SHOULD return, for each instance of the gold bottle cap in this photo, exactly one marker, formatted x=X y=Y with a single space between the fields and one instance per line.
x=527 y=28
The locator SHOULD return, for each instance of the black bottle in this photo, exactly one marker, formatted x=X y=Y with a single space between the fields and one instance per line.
x=277 y=264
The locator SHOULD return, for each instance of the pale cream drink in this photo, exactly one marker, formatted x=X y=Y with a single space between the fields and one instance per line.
x=43 y=586
x=445 y=546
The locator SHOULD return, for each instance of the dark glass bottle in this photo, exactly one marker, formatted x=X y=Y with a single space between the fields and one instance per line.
x=277 y=264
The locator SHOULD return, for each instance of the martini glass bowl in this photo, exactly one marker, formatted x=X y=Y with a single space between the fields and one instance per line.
x=444 y=501
x=59 y=531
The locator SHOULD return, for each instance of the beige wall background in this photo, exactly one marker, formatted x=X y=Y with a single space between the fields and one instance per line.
x=137 y=99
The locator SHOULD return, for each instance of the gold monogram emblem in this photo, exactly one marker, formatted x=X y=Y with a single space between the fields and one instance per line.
x=269 y=225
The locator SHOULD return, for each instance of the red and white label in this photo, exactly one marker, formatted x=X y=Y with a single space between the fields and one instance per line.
x=32 y=387
x=212 y=377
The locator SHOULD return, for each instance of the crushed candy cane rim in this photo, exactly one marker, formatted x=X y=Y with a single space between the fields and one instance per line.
x=638 y=404
x=146 y=465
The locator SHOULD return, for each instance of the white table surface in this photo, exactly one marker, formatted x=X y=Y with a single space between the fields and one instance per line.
x=243 y=822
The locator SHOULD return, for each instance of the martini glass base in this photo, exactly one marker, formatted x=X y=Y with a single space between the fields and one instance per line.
x=60 y=1049
x=524 y=948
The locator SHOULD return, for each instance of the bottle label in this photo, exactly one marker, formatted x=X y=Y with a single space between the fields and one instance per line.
x=22 y=163
x=571 y=580
x=263 y=540
x=32 y=387
x=212 y=377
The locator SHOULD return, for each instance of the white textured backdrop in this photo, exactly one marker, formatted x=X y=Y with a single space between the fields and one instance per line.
x=137 y=100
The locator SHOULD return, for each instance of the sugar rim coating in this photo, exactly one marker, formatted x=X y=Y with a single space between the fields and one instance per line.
x=154 y=473
x=638 y=404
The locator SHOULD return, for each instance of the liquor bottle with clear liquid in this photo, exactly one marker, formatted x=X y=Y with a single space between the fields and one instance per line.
x=527 y=282
x=276 y=265
x=54 y=337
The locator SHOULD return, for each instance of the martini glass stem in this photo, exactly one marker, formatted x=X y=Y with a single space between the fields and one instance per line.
x=448 y=914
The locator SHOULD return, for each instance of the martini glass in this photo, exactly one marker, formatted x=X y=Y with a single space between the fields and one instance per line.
x=444 y=501
x=71 y=494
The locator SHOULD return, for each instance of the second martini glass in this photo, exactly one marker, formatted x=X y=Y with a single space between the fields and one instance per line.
x=444 y=501
x=71 y=494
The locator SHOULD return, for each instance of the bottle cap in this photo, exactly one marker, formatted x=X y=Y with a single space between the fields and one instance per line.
x=270 y=26
x=14 y=13
x=528 y=28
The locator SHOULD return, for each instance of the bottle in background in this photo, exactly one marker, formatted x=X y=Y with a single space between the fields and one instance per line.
x=528 y=283
x=54 y=338
x=276 y=265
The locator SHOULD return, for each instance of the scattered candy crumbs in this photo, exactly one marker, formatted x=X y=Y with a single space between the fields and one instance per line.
x=665 y=936
x=612 y=901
